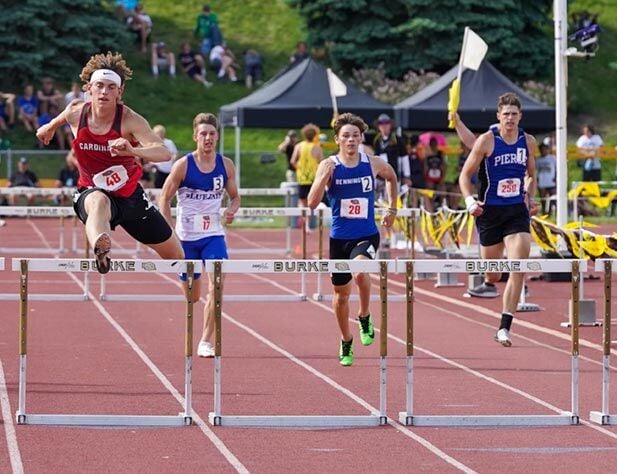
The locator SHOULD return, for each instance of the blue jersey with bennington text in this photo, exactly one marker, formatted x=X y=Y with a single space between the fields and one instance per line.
x=352 y=199
x=502 y=174
x=199 y=200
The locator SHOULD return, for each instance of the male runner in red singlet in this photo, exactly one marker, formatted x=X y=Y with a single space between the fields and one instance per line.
x=108 y=138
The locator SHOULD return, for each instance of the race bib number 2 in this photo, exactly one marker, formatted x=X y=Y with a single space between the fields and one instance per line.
x=112 y=178
x=509 y=187
x=356 y=208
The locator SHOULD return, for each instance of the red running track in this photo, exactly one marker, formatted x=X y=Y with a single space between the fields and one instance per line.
x=126 y=358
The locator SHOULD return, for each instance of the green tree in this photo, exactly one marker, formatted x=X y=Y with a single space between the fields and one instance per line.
x=54 y=38
x=427 y=34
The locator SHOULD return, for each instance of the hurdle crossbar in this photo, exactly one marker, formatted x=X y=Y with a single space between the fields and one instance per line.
x=409 y=417
x=603 y=417
x=84 y=265
x=219 y=268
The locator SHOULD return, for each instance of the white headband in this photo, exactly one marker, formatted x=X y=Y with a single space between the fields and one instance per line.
x=107 y=75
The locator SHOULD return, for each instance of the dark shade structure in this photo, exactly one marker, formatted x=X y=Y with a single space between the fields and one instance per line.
x=428 y=109
x=296 y=96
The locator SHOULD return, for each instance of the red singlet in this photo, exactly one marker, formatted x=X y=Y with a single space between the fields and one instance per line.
x=119 y=175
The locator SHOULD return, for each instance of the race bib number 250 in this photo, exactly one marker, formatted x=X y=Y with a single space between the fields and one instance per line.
x=509 y=187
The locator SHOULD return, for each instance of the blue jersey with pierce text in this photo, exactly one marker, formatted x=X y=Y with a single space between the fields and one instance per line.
x=352 y=199
x=502 y=174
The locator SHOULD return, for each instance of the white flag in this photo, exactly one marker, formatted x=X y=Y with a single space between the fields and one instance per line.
x=474 y=50
x=337 y=87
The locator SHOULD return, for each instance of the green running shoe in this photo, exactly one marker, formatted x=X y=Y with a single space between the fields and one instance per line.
x=345 y=355
x=367 y=333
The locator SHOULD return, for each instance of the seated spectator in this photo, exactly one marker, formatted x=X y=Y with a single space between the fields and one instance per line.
x=162 y=59
x=207 y=30
x=223 y=61
x=193 y=64
x=300 y=54
x=76 y=93
x=51 y=103
x=253 y=68
x=23 y=177
x=27 y=106
x=140 y=23
x=163 y=168
x=126 y=8
x=7 y=110
x=68 y=176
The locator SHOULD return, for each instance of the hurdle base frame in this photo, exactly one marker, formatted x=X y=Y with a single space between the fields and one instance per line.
x=297 y=421
x=602 y=418
x=587 y=314
x=179 y=297
x=565 y=419
x=103 y=420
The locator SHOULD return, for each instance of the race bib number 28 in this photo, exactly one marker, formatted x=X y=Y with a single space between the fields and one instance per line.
x=356 y=208
x=112 y=178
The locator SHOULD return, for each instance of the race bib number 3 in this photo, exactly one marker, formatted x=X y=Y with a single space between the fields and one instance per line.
x=509 y=188
x=112 y=178
x=206 y=223
x=356 y=208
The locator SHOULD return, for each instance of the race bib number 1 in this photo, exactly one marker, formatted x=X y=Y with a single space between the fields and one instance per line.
x=356 y=208
x=112 y=178
x=509 y=187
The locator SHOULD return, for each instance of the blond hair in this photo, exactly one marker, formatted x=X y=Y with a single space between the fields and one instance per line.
x=112 y=61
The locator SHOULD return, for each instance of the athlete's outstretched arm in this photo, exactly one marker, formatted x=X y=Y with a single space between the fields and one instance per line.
x=152 y=147
x=322 y=179
x=232 y=191
x=69 y=115
x=172 y=183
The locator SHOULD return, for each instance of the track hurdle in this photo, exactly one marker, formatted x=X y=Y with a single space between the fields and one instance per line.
x=603 y=417
x=219 y=268
x=408 y=417
x=25 y=266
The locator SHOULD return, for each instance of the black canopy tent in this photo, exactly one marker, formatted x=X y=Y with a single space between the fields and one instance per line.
x=299 y=94
x=428 y=109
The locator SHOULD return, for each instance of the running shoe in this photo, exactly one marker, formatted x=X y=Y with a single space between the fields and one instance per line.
x=102 y=247
x=345 y=356
x=205 y=349
x=484 y=290
x=503 y=337
x=367 y=333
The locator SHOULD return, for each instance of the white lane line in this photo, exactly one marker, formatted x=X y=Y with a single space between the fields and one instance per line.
x=459 y=366
x=422 y=441
x=218 y=443
x=9 y=428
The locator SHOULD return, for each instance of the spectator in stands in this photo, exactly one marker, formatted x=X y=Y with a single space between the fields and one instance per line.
x=140 y=23
x=193 y=64
x=435 y=168
x=67 y=177
x=253 y=68
x=27 y=106
x=207 y=29
x=588 y=144
x=416 y=171
x=300 y=54
x=390 y=147
x=162 y=59
x=23 y=177
x=51 y=103
x=287 y=147
x=546 y=172
x=126 y=8
x=76 y=93
x=163 y=168
x=7 y=110
x=223 y=61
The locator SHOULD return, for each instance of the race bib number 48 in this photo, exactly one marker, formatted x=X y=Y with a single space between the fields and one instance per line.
x=112 y=178
x=356 y=208
x=509 y=187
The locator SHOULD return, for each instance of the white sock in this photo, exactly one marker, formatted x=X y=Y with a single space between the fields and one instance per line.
x=172 y=69
x=155 y=70
x=221 y=73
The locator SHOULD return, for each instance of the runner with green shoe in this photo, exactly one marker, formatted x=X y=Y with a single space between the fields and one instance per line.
x=349 y=178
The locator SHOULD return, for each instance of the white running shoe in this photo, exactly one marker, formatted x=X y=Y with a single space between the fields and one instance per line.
x=205 y=349
x=503 y=337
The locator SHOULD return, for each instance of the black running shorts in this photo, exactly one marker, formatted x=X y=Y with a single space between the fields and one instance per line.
x=498 y=221
x=136 y=214
x=341 y=249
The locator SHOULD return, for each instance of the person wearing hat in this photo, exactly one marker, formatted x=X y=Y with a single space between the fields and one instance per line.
x=23 y=177
x=287 y=148
x=162 y=59
x=391 y=148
